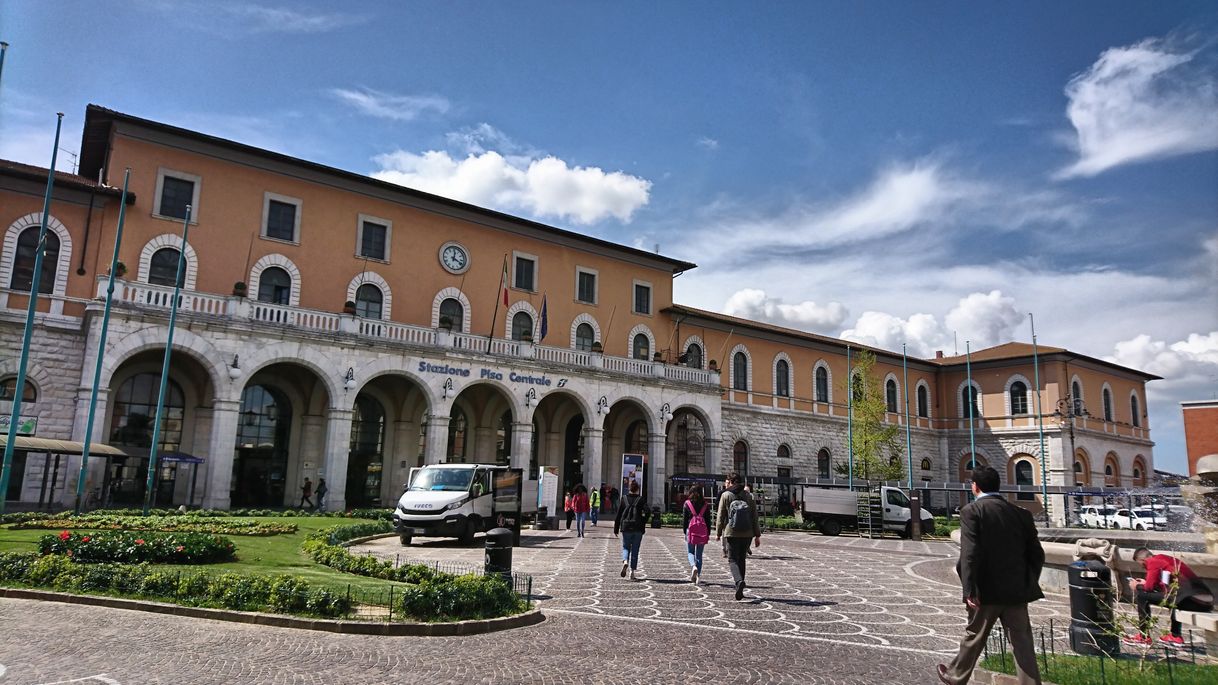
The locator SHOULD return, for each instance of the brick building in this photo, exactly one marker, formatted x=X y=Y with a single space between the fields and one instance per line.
x=1200 y=430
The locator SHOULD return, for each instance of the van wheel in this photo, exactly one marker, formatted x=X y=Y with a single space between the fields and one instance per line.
x=1141 y=527
x=907 y=533
x=830 y=527
x=405 y=540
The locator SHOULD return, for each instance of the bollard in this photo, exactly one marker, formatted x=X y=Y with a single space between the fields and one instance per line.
x=915 y=517
x=655 y=517
x=499 y=553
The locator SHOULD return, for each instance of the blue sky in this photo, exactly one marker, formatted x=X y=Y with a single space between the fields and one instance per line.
x=887 y=172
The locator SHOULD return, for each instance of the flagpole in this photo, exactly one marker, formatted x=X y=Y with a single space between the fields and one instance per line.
x=849 y=421
x=35 y=285
x=1040 y=423
x=972 y=400
x=908 y=435
x=101 y=346
x=160 y=400
x=502 y=294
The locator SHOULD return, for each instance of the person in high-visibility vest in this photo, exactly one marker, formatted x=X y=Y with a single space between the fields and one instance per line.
x=595 y=501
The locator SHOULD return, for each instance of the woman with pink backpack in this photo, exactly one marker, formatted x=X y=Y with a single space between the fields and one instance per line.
x=697 y=526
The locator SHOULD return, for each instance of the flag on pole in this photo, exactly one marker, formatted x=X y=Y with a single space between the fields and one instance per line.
x=545 y=320
x=504 y=282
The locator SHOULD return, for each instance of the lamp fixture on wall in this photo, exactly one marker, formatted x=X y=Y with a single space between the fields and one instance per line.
x=234 y=369
x=602 y=406
x=349 y=379
x=530 y=397
x=666 y=412
x=446 y=390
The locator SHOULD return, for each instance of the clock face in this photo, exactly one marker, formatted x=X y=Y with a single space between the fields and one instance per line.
x=454 y=258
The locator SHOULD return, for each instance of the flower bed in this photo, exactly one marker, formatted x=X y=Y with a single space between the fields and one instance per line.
x=134 y=547
x=166 y=524
x=385 y=514
x=281 y=594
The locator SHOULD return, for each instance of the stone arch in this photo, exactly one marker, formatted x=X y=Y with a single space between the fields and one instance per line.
x=648 y=415
x=585 y=317
x=1138 y=475
x=326 y=368
x=890 y=376
x=782 y=356
x=517 y=307
x=964 y=459
x=35 y=374
x=172 y=241
x=184 y=340
x=389 y=366
x=822 y=364
x=276 y=259
x=457 y=295
x=581 y=403
x=1083 y=459
x=651 y=340
x=1112 y=461
x=961 y=410
x=748 y=376
x=372 y=278
x=9 y=254
x=696 y=340
x=1006 y=393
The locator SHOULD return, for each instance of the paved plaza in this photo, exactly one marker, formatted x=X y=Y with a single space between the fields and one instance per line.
x=819 y=610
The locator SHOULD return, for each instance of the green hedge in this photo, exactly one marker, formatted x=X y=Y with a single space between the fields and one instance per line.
x=134 y=547
x=385 y=514
x=280 y=594
x=324 y=548
x=461 y=598
x=167 y=524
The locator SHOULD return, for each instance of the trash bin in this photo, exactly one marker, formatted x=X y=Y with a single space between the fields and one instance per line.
x=499 y=553
x=655 y=517
x=1092 y=630
x=543 y=515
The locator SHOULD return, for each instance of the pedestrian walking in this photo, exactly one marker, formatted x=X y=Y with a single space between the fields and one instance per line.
x=594 y=504
x=1169 y=583
x=321 y=494
x=999 y=568
x=697 y=525
x=737 y=523
x=580 y=504
x=306 y=493
x=631 y=522
x=569 y=507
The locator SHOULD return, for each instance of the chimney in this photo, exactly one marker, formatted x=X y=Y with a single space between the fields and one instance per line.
x=938 y=354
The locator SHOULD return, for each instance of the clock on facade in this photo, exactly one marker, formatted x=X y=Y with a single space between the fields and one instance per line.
x=454 y=258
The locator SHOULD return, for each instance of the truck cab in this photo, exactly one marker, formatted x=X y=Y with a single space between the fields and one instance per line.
x=454 y=501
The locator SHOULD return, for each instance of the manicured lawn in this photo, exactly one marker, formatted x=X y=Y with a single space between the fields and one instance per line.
x=1071 y=669
x=267 y=555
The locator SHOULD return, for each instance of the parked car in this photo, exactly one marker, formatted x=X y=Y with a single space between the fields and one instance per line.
x=1135 y=520
x=1097 y=516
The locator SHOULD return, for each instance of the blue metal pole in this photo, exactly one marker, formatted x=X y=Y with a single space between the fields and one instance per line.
x=908 y=435
x=3 y=49
x=160 y=400
x=101 y=345
x=849 y=421
x=35 y=285
x=972 y=400
x=1040 y=423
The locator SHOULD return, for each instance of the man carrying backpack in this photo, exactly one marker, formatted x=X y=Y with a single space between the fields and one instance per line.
x=737 y=521
x=631 y=522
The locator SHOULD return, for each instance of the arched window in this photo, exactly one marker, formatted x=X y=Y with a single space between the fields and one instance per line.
x=969 y=398
x=822 y=384
x=452 y=311
x=782 y=378
x=641 y=348
x=636 y=438
x=522 y=326
x=163 y=267
x=693 y=356
x=1023 y=476
x=925 y=464
x=23 y=261
x=365 y=461
x=135 y=409
x=1019 y=398
x=740 y=372
x=1107 y=394
x=8 y=390
x=274 y=286
x=368 y=299
x=856 y=382
x=1076 y=391
x=457 y=443
x=923 y=402
x=584 y=337
x=784 y=453
x=1136 y=416
x=1080 y=478
x=740 y=458
x=822 y=463
x=890 y=396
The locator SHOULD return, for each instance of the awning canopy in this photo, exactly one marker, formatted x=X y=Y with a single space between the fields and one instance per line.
x=181 y=457
x=62 y=446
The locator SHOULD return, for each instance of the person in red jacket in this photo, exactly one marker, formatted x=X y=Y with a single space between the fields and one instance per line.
x=581 y=506
x=1169 y=583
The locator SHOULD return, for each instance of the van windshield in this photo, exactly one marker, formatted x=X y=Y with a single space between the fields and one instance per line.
x=448 y=480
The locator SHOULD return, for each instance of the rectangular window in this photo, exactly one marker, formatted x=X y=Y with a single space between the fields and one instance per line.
x=526 y=272
x=585 y=285
x=281 y=221
x=175 y=190
x=642 y=298
x=372 y=240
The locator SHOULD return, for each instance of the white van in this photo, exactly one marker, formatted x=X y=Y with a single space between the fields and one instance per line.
x=457 y=501
x=836 y=508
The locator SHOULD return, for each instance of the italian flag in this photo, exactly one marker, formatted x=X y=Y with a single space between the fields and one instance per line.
x=504 y=282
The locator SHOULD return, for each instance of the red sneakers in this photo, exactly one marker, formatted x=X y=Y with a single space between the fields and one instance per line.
x=1138 y=640
x=1172 y=640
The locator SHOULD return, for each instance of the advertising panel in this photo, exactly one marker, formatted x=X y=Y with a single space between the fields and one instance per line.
x=632 y=471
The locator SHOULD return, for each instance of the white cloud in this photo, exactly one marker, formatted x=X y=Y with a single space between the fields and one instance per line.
x=707 y=143
x=264 y=19
x=754 y=304
x=984 y=319
x=921 y=333
x=544 y=187
x=478 y=139
x=1138 y=103
x=389 y=105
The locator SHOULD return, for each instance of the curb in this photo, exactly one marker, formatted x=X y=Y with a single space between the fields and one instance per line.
x=984 y=677
x=477 y=627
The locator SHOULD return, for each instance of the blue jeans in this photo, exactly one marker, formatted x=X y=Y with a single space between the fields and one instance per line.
x=695 y=555
x=580 y=517
x=631 y=540
x=593 y=513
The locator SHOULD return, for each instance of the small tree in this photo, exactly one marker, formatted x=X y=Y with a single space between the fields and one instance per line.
x=878 y=449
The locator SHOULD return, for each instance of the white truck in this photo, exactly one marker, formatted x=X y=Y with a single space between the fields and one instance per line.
x=462 y=500
x=835 y=509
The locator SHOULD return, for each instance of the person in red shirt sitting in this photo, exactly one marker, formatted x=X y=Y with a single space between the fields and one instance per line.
x=1169 y=583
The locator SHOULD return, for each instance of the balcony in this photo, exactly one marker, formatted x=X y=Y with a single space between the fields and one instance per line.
x=146 y=296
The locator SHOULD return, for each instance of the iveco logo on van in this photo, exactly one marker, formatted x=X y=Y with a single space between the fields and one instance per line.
x=425 y=505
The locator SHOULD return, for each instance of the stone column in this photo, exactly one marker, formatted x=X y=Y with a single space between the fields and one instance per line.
x=657 y=469
x=712 y=448
x=484 y=445
x=435 y=447
x=97 y=464
x=221 y=451
x=338 y=447
x=522 y=447
x=594 y=470
x=399 y=459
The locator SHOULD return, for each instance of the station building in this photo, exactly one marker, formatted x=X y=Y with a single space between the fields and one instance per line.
x=333 y=325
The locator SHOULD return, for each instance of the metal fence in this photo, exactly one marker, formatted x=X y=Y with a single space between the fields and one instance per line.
x=521 y=583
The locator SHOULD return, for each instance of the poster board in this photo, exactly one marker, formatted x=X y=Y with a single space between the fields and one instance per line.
x=632 y=470
x=506 y=486
x=547 y=493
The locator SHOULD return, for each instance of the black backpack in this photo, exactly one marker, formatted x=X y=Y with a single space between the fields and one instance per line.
x=635 y=516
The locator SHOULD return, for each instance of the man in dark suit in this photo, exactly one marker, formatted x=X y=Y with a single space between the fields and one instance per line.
x=999 y=567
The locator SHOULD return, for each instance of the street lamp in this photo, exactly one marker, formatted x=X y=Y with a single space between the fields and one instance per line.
x=666 y=412
x=234 y=369
x=602 y=406
x=1068 y=409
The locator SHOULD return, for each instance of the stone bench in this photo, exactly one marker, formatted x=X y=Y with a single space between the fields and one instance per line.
x=1207 y=623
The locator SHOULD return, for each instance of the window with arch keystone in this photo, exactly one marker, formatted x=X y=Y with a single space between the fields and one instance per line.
x=522 y=326
x=163 y=267
x=584 y=337
x=641 y=347
x=740 y=372
x=23 y=261
x=1019 y=398
x=369 y=301
x=890 y=396
x=822 y=384
x=923 y=402
x=782 y=378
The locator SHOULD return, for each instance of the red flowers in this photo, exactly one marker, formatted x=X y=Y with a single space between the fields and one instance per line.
x=139 y=541
x=85 y=539
x=65 y=535
x=179 y=548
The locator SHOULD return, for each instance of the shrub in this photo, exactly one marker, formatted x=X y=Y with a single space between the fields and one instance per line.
x=459 y=598
x=168 y=524
x=128 y=546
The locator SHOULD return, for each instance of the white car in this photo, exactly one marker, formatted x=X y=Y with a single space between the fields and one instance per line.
x=1133 y=520
x=1096 y=516
x=1145 y=518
